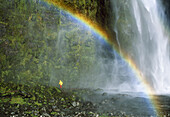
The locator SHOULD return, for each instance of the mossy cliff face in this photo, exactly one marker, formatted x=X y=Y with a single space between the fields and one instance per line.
x=87 y=8
x=42 y=44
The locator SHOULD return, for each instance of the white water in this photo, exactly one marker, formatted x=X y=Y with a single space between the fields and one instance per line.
x=139 y=23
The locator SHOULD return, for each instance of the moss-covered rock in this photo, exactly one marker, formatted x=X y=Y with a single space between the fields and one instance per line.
x=41 y=44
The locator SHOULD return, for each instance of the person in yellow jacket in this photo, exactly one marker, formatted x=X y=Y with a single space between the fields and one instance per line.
x=60 y=83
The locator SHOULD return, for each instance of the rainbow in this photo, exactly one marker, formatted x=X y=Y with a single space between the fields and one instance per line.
x=109 y=39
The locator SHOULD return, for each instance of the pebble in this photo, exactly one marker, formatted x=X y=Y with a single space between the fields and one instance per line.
x=54 y=107
x=90 y=112
x=74 y=104
x=111 y=114
x=103 y=102
x=6 y=113
x=78 y=103
x=43 y=109
x=12 y=113
x=46 y=115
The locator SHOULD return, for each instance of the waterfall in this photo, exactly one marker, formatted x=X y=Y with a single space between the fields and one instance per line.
x=142 y=35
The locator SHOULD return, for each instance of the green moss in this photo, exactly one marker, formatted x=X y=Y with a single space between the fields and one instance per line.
x=4 y=100
x=32 y=115
x=17 y=100
x=3 y=90
x=39 y=104
x=41 y=96
x=64 y=106
x=33 y=98
x=29 y=103
x=44 y=60
x=54 y=113
x=104 y=115
x=58 y=90
x=28 y=112
x=62 y=99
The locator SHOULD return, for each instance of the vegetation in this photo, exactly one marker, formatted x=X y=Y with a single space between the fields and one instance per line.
x=42 y=44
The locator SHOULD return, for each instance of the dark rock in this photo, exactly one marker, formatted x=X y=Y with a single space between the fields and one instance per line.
x=104 y=94
x=50 y=110
x=98 y=90
x=28 y=96
x=110 y=114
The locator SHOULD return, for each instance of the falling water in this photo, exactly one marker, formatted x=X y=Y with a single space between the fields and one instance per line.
x=141 y=33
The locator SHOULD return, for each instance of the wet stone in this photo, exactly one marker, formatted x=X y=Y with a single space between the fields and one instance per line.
x=104 y=94
x=78 y=103
x=12 y=113
x=6 y=113
x=46 y=115
x=54 y=107
x=74 y=104
x=43 y=109
x=52 y=101
x=111 y=114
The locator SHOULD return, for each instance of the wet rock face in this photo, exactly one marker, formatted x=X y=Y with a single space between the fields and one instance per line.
x=166 y=5
x=96 y=10
x=87 y=8
x=103 y=12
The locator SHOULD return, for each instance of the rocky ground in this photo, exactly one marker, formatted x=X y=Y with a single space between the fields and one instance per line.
x=44 y=101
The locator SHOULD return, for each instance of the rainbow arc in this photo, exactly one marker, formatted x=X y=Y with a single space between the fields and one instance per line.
x=108 y=38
